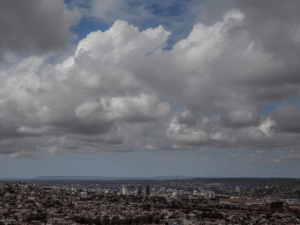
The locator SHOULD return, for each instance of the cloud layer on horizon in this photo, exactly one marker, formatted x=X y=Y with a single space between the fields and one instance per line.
x=122 y=91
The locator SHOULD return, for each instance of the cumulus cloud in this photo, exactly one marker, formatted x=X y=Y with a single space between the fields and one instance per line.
x=186 y=136
x=141 y=108
x=122 y=90
x=85 y=97
x=177 y=16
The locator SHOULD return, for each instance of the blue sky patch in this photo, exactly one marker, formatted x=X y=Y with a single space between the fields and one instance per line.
x=86 y=26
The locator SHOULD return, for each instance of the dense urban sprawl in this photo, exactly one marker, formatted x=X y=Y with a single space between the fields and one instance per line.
x=197 y=201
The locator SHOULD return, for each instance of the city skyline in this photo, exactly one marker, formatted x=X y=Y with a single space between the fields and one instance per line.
x=144 y=89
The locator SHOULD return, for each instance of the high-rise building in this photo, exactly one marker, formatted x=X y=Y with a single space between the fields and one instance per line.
x=164 y=190
x=209 y=194
x=147 y=189
x=139 y=189
x=124 y=190
x=201 y=190
x=237 y=189
x=175 y=194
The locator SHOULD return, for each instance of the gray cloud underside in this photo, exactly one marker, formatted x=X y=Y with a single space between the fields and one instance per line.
x=120 y=91
x=35 y=26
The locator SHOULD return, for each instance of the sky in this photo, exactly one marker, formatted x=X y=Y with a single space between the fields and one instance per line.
x=200 y=88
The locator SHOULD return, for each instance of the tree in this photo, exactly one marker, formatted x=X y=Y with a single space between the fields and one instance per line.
x=150 y=219
x=106 y=220
x=146 y=207
x=40 y=217
x=76 y=219
x=115 y=221
x=71 y=205
x=98 y=221
x=162 y=216
x=128 y=221
x=156 y=220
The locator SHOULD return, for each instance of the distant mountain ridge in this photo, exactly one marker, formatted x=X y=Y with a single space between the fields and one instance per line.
x=112 y=178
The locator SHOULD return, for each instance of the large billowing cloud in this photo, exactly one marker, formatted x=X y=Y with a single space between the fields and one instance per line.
x=83 y=101
x=175 y=15
x=121 y=91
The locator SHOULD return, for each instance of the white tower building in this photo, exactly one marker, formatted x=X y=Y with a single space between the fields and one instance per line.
x=124 y=190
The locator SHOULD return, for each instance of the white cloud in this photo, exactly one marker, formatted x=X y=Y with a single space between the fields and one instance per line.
x=25 y=154
x=266 y=126
x=186 y=135
x=140 y=108
x=122 y=91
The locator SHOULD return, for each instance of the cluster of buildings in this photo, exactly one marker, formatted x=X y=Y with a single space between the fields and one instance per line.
x=169 y=193
x=179 y=203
